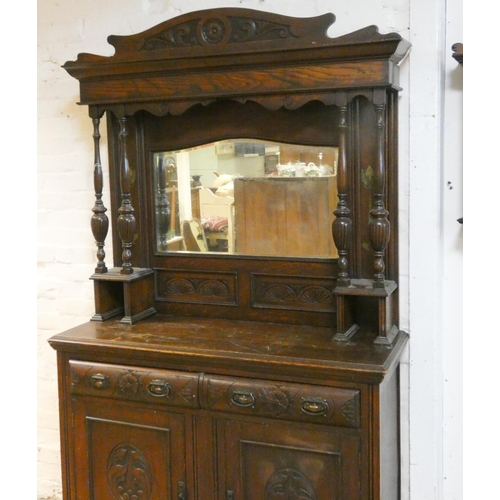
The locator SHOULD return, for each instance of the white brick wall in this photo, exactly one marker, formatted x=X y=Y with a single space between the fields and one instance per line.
x=65 y=246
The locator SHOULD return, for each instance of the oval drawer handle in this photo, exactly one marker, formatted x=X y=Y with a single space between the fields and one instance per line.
x=99 y=381
x=244 y=399
x=314 y=406
x=159 y=388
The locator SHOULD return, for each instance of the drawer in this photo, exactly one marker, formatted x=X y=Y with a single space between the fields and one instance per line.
x=135 y=384
x=299 y=402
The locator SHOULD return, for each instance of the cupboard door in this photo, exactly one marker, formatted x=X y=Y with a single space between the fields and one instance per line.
x=274 y=461
x=127 y=452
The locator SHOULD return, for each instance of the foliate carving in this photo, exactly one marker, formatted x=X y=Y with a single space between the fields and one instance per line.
x=217 y=31
x=210 y=288
x=290 y=484
x=249 y=30
x=295 y=295
x=129 y=473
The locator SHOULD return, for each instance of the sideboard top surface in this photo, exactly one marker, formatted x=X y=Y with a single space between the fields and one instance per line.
x=219 y=345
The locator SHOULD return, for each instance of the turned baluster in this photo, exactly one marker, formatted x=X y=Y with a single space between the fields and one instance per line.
x=99 y=222
x=126 y=221
x=342 y=224
x=379 y=226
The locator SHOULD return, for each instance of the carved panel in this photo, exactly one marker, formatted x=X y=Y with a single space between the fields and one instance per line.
x=129 y=473
x=126 y=451
x=271 y=460
x=199 y=287
x=298 y=292
x=217 y=29
x=289 y=483
x=279 y=468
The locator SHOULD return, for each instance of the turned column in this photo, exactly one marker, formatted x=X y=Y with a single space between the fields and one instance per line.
x=99 y=222
x=342 y=224
x=126 y=223
x=379 y=228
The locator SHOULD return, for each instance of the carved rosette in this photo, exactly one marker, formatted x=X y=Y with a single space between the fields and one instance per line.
x=277 y=400
x=129 y=473
x=217 y=30
x=128 y=384
x=212 y=31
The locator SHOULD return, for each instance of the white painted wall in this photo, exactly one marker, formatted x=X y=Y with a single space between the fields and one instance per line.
x=431 y=239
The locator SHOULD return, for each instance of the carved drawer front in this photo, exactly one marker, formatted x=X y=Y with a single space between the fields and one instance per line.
x=135 y=384
x=306 y=403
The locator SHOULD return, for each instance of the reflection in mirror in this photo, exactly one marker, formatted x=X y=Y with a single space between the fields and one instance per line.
x=247 y=197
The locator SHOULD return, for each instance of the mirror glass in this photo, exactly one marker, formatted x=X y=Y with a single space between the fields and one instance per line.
x=246 y=197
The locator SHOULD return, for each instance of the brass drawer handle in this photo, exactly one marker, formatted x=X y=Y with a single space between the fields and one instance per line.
x=245 y=399
x=314 y=406
x=159 y=388
x=99 y=381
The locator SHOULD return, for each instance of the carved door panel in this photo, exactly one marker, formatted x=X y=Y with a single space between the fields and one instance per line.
x=274 y=461
x=129 y=452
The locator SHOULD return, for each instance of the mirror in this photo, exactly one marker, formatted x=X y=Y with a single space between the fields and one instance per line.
x=247 y=197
